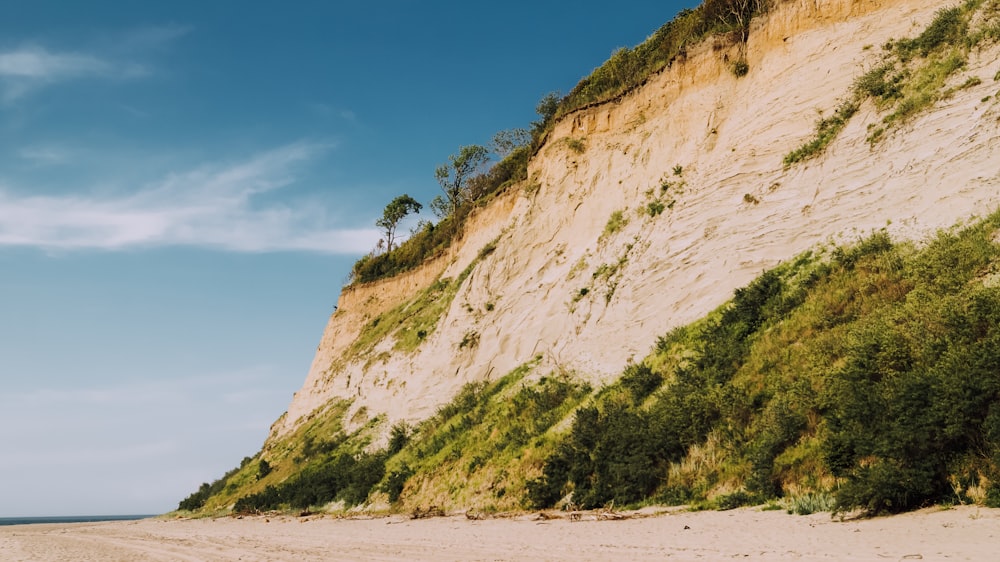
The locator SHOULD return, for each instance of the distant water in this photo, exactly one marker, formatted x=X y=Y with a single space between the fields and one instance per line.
x=69 y=519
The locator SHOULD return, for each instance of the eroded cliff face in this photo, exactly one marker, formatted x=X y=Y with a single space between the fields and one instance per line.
x=646 y=213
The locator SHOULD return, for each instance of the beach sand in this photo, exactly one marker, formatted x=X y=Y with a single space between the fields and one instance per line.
x=962 y=533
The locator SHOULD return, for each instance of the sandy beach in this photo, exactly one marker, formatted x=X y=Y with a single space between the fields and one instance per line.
x=962 y=533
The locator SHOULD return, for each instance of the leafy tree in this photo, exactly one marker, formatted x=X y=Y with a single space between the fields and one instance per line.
x=546 y=109
x=394 y=212
x=440 y=207
x=506 y=142
x=461 y=167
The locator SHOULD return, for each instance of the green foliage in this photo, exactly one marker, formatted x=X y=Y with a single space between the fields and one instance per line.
x=395 y=211
x=912 y=76
x=547 y=109
x=655 y=208
x=576 y=145
x=263 y=469
x=884 y=83
x=827 y=129
x=431 y=240
x=197 y=499
x=813 y=502
x=875 y=373
x=740 y=68
x=640 y=381
x=909 y=407
x=399 y=436
x=616 y=222
x=342 y=476
x=470 y=340
x=734 y=500
x=485 y=436
x=410 y=322
x=628 y=68
x=395 y=482
x=949 y=27
x=507 y=141
x=459 y=170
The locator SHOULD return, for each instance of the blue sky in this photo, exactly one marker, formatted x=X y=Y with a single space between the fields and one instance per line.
x=183 y=189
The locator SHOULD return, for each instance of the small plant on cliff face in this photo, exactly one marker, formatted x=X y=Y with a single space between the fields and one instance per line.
x=826 y=130
x=912 y=75
x=470 y=340
x=740 y=68
x=576 y=145
x=654 y=208
x=616 y=222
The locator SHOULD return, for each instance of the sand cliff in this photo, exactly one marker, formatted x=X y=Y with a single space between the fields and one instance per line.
x=730 y=210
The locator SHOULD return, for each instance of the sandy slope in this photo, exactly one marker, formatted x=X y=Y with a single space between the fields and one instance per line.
x=965 y=533
x=735 y=210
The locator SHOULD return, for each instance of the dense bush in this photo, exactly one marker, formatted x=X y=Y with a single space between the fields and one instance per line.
x=949 y=27
x=342 y=476
x=198 y=498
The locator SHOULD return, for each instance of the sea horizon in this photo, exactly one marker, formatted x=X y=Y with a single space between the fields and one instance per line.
x=69 y=519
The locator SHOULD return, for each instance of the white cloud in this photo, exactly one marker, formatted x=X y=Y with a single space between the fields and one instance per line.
x=212 y=206
x=40 y=64
x=29 y=68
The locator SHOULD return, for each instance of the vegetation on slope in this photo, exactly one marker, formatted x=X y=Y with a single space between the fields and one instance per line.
x=869 y=372
x=874 y=376
x=913 y=73
x=628 y=68
x=624 y=71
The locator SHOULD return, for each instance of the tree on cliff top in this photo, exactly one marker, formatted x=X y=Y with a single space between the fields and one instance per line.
x=394 y=212
x=461 y=167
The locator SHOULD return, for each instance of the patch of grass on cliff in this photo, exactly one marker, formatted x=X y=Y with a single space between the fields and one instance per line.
x=826 y=130
x=870 y=372
x=478 y=448
x=913 y=75
x=629 y=68
x=413 y=321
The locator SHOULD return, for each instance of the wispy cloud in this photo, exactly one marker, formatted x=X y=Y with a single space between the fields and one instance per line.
x=44 y=155
x=211 y=206
x=29 y=68
x=152 y=37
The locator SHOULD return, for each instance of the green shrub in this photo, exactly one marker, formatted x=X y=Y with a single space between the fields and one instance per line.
x=396 y=481
x=341 y=476
x=949 y=27
x=826 y=130
x=616 y=222
x=629 y=68
x=640 y=381
x=197 y=499
x=740 y=68
x=810 y=503
x=576 y=145
x=735 y=500
x=399 y=436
